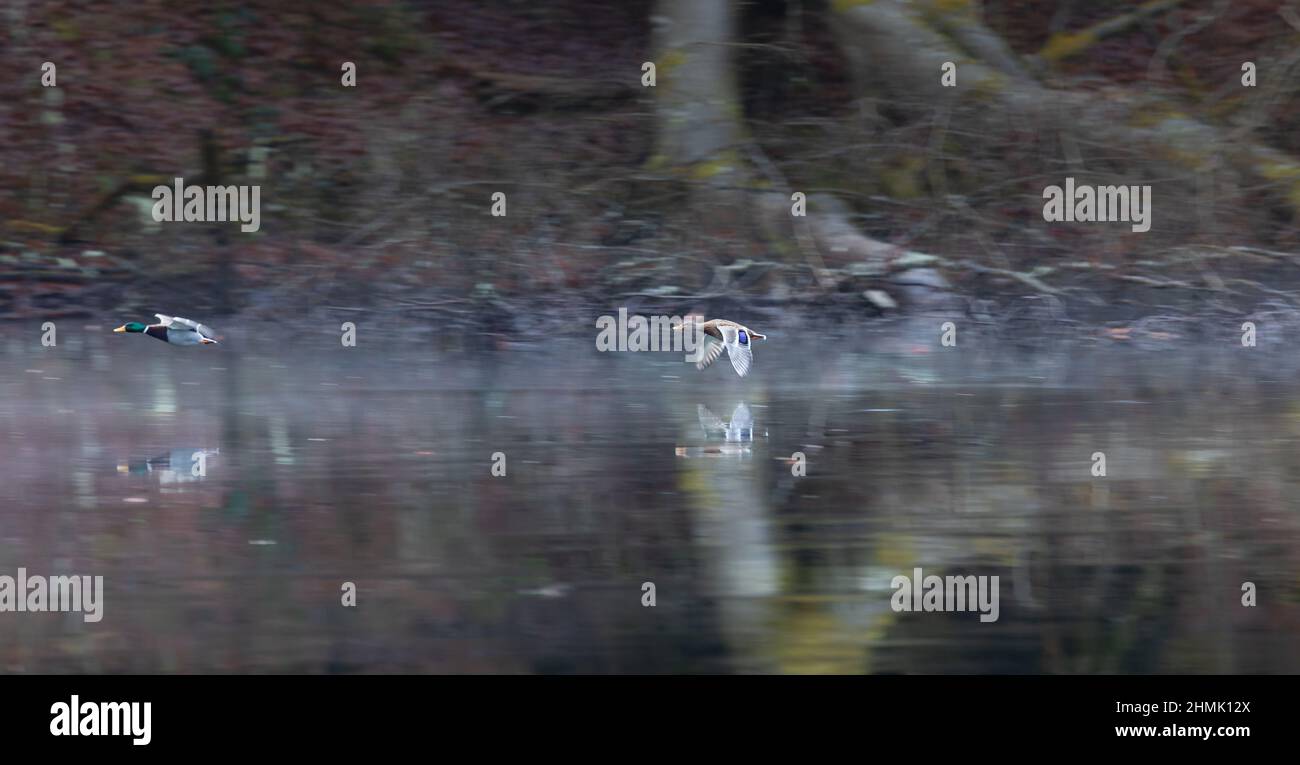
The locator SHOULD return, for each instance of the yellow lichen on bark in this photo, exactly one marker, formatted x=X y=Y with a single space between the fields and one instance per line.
x=33 y=226
x=903 y=178
x=1286 y=173
x=1065 y=44
x=727 y=161
x=1153 y=116
x=670 y=61
x=950 y=7
x=840 y=6
x=989 y=87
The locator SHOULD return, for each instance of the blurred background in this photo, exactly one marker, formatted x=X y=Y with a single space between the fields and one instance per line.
x=378 y=196
x=664 y=190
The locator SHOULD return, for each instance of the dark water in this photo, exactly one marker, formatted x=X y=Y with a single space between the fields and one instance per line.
x=373 y=465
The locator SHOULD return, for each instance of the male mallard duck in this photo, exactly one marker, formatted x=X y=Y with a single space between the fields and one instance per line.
x=174 y=330
x=720 y=334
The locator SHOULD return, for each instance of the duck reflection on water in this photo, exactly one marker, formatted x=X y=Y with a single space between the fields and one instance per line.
x=737 y=434
x=175 y=466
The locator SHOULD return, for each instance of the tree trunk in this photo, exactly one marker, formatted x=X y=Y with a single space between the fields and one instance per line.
x=702 y=138
x=697 y=99
x=899 y=48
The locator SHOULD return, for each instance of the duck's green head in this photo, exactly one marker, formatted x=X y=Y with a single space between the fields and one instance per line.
x=134 y=326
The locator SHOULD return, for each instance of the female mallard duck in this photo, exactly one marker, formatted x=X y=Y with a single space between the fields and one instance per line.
x=721 y=334
x=174 y=330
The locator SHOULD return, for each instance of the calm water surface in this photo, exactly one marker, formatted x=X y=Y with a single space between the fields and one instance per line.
x=322 y=465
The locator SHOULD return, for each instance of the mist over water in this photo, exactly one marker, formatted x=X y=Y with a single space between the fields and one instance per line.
x=373 y=465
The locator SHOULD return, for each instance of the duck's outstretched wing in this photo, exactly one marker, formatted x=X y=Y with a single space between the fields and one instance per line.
x=741 y=418
x=708 y=352
x=737 y=342
x=179 y=324
x=708 y=420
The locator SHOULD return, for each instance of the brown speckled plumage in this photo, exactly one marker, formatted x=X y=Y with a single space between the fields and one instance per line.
x=727 y=335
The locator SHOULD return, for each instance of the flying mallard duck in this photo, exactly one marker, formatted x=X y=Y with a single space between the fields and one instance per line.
x=174 y=330
x=719 y=335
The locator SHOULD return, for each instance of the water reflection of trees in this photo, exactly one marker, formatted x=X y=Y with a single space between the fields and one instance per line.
x=755 y=570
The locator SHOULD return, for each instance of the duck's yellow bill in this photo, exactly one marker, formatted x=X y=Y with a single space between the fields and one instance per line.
x=121 y=328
